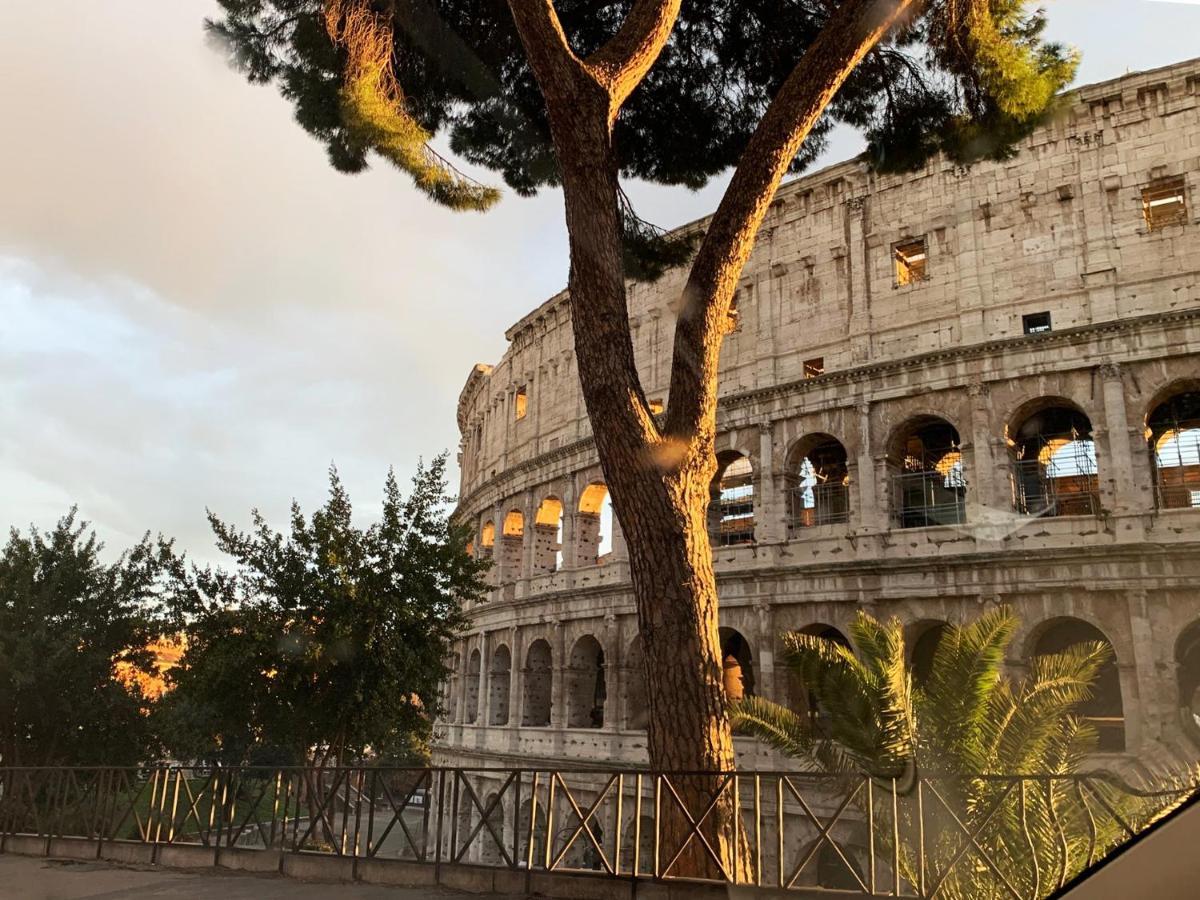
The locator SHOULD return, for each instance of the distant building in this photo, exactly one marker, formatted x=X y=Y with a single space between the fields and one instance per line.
x=942 y=391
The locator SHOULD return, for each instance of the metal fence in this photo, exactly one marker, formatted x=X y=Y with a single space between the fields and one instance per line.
x=928 y=499
x=933 y=836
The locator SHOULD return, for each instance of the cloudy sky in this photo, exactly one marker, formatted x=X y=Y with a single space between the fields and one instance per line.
x=195 y=311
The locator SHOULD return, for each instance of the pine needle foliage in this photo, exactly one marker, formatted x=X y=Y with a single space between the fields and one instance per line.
x=967 y=721
x=967 y=78
x=374 y=113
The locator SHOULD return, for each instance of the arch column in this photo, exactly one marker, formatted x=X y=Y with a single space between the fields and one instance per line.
x=460 y=685
x=1119 y=477
x=620 y=549
x=558 y=695
x=769 y=512
x=481 y=695
x=983 y=503
x=613 y=655
x=528 y=543
x=516 y=685
x=765 y=657
x=872 y=472
x=570 y=498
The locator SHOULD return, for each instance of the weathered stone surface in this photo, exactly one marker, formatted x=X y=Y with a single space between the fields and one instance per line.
x=1057 y=229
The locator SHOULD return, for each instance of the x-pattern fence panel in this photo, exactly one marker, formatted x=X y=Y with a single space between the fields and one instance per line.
x=930 y=836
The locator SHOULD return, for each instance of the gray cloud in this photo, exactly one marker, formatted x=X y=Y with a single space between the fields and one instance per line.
x=195 y=310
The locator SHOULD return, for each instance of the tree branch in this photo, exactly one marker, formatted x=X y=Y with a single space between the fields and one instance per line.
x=853 y=29
x=554 y=63
x=621 y=64
x=581 y=111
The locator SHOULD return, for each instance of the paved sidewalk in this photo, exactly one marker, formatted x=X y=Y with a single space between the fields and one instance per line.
x=36 y=878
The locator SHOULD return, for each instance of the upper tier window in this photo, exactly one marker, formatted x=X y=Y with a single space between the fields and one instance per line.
x=1163 y=203
x=910 y=258
x=521 y=407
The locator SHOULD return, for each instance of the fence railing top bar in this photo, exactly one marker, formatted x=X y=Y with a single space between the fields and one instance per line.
x=793 y=774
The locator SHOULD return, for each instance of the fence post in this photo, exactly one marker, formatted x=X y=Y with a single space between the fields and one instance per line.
x=358 y=821
x=217 y=805
x=437 y=854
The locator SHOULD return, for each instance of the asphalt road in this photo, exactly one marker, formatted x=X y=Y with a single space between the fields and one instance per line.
x=34 y=878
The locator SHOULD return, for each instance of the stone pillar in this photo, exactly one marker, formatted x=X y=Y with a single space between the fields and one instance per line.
x=482 y=707
x=570 y=498
x=764 y=662
x=516 y=686
x=528 y=543
x=612 y=666
x=620 y=549
x=854 y=258
x=1154 y=701
x=497 y=571
x=558 y=702
x=868 y=512
x=460 y=714
x=769 y=526
x=983 y=503
x=1118 y=473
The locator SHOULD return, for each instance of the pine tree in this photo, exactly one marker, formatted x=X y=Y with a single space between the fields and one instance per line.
x=580 y=94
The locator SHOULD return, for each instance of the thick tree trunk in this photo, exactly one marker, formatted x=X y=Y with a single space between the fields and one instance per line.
x=660 y=480
x=660 y=498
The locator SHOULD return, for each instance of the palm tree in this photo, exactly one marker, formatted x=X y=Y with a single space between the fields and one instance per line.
x=952 y=740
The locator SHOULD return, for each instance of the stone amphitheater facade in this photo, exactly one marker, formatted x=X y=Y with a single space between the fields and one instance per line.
x=942 y=391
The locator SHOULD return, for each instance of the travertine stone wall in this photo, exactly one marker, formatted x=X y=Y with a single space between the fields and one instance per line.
x=1059 y=228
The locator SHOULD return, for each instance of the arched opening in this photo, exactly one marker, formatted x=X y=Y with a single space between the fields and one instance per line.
x=923 y=641
x=547 y=536
x=633 y=682
x=818 y=483
x=539 y=685
x=1173 y=433
x=1053 y=461
x=539 y=835
x=465 y=814
x=487 y=538
x=490 y=852
x=737 y=664
x=586 y=691
x=832 y=869
x=499 y=679
x=512 y=536
x=640 y=837
x=731 y=501
x=802 y=700
x=594 y=528
x=472 y=698
x=929 y=485
x=1187 y=659
x=1104 y=710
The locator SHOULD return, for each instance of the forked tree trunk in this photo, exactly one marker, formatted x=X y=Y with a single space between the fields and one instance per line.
x=660 y=478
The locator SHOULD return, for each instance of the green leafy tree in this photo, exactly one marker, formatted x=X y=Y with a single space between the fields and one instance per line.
x=327 y=642
x=74 y=634
x=965 y=720
x=580 y=94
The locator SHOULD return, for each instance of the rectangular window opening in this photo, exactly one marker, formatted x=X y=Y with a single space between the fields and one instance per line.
x=1036 y=323
x=1163 y=203
x=814 y=367
x=656 y=407
x=521 y=406
x=910 y=257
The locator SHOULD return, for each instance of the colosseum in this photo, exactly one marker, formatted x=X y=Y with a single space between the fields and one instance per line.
x=941 y=391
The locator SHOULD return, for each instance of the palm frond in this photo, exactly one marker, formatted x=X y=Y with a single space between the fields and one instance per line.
x=777 y=726
x=966 y=671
